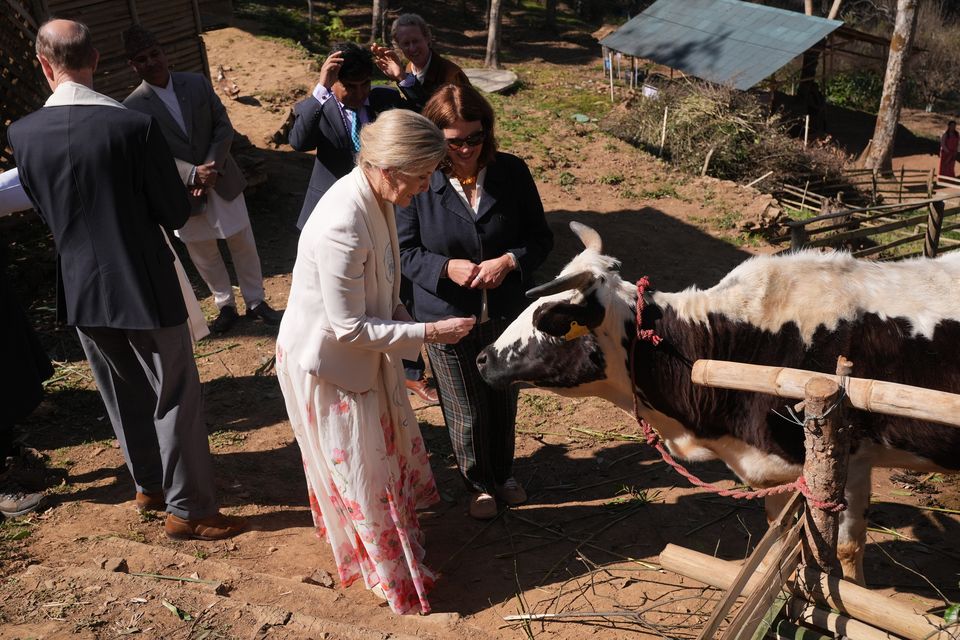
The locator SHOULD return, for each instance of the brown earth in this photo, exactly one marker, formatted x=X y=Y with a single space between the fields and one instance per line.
x=602 y=505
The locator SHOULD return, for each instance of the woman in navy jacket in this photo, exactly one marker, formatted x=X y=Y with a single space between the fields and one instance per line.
x=470 y=245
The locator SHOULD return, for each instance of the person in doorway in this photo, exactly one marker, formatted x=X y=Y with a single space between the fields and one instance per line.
x=338 y=366
x=948 y=150
x=198 y=132
x=470 y=244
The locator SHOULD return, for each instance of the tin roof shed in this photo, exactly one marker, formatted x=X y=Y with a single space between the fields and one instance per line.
x=723 y=41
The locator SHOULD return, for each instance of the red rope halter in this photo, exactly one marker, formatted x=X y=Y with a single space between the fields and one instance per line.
x=654 y=439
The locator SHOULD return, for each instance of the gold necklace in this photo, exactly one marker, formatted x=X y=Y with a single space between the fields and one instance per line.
x=467 y=182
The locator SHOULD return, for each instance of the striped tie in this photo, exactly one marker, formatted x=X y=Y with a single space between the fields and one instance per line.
x=355 y=128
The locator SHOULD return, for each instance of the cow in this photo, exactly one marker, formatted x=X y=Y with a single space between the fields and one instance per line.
x=897 y=321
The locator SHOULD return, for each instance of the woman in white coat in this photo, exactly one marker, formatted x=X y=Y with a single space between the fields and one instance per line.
x=339 y=356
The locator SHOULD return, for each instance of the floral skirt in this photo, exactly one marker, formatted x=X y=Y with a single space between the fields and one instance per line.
x=367 y=473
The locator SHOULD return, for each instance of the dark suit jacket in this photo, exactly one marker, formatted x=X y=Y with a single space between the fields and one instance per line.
x=321 y=127
x=208 y=135
x=104 y=181
x=440 y=72
x=438 y=226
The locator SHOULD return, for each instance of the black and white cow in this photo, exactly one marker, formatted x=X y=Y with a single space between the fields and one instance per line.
x=898 y=322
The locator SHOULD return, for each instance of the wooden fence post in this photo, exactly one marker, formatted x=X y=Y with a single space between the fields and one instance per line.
x=798 y=237
x=825 y=470
x=931 y=242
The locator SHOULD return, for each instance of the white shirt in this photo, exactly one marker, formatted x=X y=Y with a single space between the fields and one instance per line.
x=484 y=311
x=169 y=98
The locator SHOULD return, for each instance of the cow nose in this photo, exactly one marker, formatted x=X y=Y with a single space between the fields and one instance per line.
x=482 y=360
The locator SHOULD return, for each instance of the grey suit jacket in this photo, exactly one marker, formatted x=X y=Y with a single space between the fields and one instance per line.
x=209 y=131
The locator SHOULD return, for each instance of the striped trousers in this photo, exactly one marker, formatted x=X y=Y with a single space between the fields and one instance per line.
x=480 y=419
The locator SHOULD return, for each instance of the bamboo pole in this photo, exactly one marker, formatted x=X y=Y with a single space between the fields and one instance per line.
x=663 y=132
x=784 y=524
x=888 y=398
x=610 y=61
x=851 y=600
x=800 y=610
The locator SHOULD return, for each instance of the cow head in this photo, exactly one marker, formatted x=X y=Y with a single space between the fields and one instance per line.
x=572 y=338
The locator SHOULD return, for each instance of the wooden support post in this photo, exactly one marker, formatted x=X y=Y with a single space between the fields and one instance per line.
x=827 y=448
x=931 y=242
x=798 y=237
x=706 y=161
x=610 y=62
x=806 y=130
x=663 y=132
x=900 y=186
x=785 y=526
x=851 y=600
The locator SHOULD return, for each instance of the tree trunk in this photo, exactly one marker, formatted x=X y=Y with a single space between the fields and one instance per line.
x=550 y=15
x=375 y=33
x=492 y=60
x=310 y=14
x=891 y=102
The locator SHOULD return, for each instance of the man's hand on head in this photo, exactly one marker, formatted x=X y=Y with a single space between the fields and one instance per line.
x=331 y=69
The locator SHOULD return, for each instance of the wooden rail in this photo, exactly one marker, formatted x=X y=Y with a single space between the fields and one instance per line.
x=888 y=398
x=868 y=213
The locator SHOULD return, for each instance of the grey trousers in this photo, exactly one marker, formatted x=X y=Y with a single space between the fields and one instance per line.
x=149 y=383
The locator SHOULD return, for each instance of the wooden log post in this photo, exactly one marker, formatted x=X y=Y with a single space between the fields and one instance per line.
x=931 y=243
x=827 y=446
x=798 y=237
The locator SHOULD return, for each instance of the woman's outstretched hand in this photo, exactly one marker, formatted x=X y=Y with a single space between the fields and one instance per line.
x=450 y=330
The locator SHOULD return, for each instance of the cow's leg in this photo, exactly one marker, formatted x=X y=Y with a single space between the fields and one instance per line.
x=852 y=537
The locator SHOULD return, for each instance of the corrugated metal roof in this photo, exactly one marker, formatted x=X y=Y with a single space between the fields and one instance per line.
x=723 y=41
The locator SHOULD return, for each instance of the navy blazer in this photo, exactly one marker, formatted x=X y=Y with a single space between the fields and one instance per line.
x=438 y=226
x=321 y=127
x=104 y=181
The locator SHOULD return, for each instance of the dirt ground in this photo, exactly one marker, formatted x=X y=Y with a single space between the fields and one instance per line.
x=602 y=505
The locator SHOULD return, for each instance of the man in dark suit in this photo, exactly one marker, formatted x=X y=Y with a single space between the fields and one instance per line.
x=198 y=131
x=329 y=120
x=103 y=180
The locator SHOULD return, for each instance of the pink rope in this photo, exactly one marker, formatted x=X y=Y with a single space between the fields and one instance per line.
x=654 y=439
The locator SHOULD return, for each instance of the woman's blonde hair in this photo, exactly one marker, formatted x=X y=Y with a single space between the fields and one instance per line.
x=402 y=140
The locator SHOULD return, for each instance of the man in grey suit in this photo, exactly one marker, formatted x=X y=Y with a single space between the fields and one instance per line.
x=198 y=131
x=102 y=178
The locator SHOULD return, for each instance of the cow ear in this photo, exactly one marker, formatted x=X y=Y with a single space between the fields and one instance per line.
x=568 y=321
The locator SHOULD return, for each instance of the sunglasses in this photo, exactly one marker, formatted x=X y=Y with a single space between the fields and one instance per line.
x=472 y=140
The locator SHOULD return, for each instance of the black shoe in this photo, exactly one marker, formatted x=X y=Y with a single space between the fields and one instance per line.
x=228 y=316
x=264 y=313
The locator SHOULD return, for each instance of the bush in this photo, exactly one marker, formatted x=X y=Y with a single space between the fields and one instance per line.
x=746 y=142
x=860 y=90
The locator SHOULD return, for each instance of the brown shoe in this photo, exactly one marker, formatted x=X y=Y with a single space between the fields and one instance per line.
x=216 y=527
x=151 y=502
x=423 y=391
x=512 y=492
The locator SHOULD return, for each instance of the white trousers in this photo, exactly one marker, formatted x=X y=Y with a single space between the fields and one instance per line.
x=243 y=251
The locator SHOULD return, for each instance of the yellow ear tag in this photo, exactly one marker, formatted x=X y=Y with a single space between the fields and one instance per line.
x=577 y=330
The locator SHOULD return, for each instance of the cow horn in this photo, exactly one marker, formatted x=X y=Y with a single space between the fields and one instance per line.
x=588 y=236
x=579 y=280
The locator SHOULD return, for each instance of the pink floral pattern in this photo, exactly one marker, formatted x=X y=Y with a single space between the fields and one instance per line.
x=365 y=483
